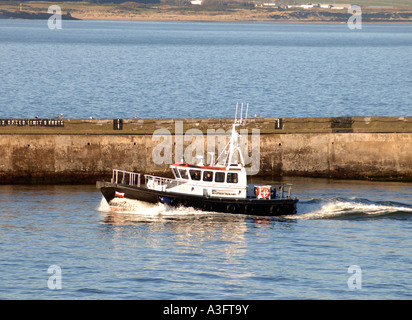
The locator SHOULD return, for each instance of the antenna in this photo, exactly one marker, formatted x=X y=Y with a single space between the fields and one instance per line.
x=242 y=120
x=226 y=156
x=243 y=117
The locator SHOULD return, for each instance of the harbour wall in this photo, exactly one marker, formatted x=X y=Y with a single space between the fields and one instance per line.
x=78 y=151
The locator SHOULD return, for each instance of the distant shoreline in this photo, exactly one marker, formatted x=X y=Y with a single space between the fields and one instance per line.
x=162 y=12
x=4 y=14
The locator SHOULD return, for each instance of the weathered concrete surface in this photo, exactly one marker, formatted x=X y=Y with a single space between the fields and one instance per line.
x=81 y=151
x=384 y=156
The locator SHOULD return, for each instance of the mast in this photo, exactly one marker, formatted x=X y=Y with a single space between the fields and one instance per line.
x=233 y=146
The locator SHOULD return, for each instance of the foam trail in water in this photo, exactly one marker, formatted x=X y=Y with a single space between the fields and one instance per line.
x=318 y=209
x=130 y=206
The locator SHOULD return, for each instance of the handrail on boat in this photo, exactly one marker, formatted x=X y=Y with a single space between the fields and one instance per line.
x=160 y=183
x=159 y=180
x=133 y=177
x=285 y=190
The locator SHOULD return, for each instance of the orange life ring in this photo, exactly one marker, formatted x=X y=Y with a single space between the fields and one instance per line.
x=264 y=192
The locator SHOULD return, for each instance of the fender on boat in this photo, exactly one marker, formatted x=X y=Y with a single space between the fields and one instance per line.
x=166 y=200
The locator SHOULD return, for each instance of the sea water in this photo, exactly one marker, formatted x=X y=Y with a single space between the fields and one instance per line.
x=348 y=240
x=123 y=69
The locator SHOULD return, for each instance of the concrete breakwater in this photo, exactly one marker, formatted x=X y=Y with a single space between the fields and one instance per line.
x=82 y=150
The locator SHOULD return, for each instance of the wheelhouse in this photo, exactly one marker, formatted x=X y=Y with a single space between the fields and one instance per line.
x=211 y=175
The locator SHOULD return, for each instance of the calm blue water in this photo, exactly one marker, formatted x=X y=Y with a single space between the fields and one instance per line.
x=151 y=252
x=183 y=69
x=149 y=69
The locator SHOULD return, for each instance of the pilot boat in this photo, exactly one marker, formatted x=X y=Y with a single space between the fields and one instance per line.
x=221 y=186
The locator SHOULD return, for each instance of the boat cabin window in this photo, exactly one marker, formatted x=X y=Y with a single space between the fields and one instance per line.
x=232 y=178
x=195 y=174
x=176 y=173
x=220 y=177
x=208 y=176
x=183 y=173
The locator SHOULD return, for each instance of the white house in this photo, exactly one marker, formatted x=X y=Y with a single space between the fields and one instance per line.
x=307 y=6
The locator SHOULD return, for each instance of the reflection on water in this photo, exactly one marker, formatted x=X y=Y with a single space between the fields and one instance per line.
x=156 y=252
x=181 y=221
x=189 y=232
x=179 y=239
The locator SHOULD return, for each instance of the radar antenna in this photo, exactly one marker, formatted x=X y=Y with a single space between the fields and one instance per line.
x=233 y=145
